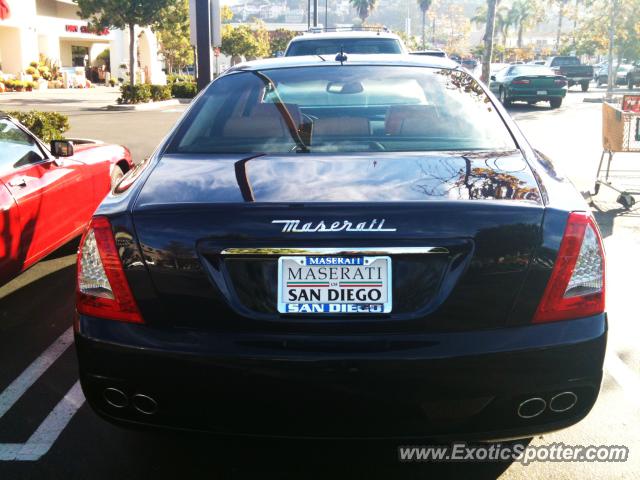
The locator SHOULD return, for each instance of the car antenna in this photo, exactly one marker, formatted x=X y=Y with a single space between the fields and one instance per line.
x=341 y=57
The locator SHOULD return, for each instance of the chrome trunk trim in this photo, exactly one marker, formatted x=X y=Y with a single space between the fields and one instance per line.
x=335 y=251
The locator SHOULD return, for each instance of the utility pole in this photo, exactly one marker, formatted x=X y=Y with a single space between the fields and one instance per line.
x=326 y=13
x=315 y=13
x=612 y=36
x=204 y=65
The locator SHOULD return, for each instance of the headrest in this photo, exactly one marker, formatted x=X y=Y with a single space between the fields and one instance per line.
x=341 y=126
x=265 y=120
x=410 y=119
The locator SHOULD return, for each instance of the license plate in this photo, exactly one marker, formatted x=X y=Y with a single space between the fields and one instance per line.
x=319 y=284
x=542 y=92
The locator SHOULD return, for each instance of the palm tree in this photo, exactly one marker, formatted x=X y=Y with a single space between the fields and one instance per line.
x=504 y=22
x=561 y=4
x=364 y=7
x=526 y=14
x=424 y=6
x=488 y=39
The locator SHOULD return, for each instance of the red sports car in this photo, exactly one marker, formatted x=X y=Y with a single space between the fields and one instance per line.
x=48 y=195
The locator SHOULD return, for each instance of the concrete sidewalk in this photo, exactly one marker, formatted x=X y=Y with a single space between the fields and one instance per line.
x=61 y=100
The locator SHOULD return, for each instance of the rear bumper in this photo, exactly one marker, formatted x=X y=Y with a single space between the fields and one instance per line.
x=461 y=386
x=532 y=94
x=576 y=80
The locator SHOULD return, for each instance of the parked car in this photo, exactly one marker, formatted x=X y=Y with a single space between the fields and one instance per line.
x=529 y=83
x=633 y=76
x=436 y=52
x=621 y=74
x=360 y=41
x=47 y=195
x=571 y=68
x=359 y=248
x=469 y=64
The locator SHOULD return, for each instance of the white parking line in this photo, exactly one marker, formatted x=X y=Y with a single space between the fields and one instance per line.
x=48 y=432
x=34 y=371
x=624 y=376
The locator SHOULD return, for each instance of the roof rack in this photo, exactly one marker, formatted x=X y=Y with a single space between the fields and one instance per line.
x=349 y=29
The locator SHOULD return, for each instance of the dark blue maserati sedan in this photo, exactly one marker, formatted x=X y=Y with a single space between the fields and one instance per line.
x=358 y=247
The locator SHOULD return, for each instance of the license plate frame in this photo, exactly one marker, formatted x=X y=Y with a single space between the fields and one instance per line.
x=542 y=92
x=341 y=305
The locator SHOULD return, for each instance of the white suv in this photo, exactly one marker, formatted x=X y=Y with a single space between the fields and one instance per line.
x=360 y=41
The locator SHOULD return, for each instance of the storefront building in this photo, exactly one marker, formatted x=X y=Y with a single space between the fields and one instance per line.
x=30 y=29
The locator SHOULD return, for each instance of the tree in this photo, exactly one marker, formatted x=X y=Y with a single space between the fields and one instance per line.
x=226 y=14
x=503 y=22
x=280 y=38
x=526 y=14
x=562 y=6
x=364 y=7
x=424 y=6
x=592 y=34
x=174 y=36
x=124 y=14
x=488 y=40
x=243 y=41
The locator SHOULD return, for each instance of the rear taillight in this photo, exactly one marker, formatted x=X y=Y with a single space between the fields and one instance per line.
x=576 y=287
x=522 y=81
x=560 y=83
x=103 y=290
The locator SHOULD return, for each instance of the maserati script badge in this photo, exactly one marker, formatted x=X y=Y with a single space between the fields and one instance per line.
x=296 y=226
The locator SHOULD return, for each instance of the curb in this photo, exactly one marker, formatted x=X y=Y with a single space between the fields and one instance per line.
x=145 y=106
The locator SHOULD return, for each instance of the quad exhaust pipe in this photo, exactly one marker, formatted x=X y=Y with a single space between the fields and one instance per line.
x=532 y=407
x=563 y=402
x=559 y=403
x=141 y=403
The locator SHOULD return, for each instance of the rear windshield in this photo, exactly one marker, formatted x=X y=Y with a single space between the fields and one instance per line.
x=328 y=46
x=342 y=109
x=565 y=61
x=532 y=70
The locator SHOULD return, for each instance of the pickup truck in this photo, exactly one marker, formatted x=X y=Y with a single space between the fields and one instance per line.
x=572 y=69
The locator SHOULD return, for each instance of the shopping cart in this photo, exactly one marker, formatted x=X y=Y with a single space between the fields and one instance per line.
x=620 y=133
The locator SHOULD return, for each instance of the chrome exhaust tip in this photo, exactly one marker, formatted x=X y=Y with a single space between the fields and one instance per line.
x=144 y=404
x=114 y=397
x=532 y=407
x=562 y=402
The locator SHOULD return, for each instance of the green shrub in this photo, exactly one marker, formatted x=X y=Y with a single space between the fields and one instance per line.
x=46 y=125
x=173 y=78
x=31 y=70
x=184 y=90
x=112 y=82
x=160 y=92
x=132 y=94
x=17 y=85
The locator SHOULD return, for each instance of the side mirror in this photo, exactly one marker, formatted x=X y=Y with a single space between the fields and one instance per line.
x=493 y=78
x=62 y=148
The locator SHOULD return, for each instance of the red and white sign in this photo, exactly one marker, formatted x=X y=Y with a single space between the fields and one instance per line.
x=84 y=29
x=5 y=11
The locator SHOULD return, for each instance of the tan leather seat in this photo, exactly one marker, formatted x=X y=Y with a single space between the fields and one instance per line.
x=265 y=120
x=415 y=120
x=341 y=126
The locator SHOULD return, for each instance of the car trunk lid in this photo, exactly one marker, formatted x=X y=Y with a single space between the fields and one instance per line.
x=480 y=213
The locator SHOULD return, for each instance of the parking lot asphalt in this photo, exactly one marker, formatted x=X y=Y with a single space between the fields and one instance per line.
x=47 y=431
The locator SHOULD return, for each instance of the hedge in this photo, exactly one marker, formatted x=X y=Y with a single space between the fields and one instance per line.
x=46 y=125
x=143 y=93
x=180 y=77
x=184 y=90
x=140 y=93
x=160 y=92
